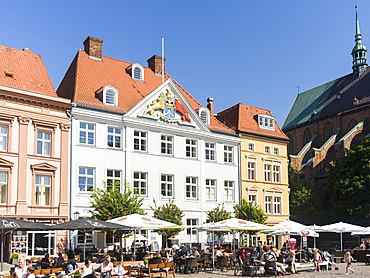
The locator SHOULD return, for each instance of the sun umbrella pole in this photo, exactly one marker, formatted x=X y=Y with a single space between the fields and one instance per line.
x=135 y=245
x=341 y=241
x=84 y=245
x=213 y=251
x=2 y=251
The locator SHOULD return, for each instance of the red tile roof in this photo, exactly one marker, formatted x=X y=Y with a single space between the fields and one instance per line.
x=25 y=70
x=243 y=118
x=86 y=76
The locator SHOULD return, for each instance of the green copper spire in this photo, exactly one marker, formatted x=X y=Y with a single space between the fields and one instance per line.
x=359 y=62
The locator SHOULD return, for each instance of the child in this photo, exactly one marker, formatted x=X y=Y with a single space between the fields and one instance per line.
x=30 y=271
x=349 y=259
x=2 y=274
x=316 y=259
x=293 y=267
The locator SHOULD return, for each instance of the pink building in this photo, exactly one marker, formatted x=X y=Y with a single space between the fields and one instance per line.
x=34 y=136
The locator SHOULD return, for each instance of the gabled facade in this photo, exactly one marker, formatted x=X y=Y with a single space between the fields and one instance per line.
x=128 y=125
x=34 y=135
x=328 y=119
x=264 y=159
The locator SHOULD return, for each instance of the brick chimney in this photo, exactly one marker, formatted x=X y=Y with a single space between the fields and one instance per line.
x=93 y=47
x=210 y=105
x=155 y=63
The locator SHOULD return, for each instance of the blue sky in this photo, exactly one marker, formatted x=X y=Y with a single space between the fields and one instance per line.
x=254 y=52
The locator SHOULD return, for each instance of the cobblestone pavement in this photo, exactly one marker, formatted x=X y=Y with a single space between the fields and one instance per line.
x=361 y=271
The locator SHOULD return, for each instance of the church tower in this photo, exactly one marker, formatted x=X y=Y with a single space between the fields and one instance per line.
x=359 y=62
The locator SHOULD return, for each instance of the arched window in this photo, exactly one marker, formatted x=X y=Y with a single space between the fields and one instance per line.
x=137 y=72
x=352 y=124
x=204 y=115
x=110 y=97
x=307 y=135
x=328 y=131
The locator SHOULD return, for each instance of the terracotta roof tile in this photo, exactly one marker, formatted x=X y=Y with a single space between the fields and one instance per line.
x=25 y=70
x=86 y=76
x=243 y=118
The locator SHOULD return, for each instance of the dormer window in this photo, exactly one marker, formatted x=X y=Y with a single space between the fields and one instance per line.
x=108 y=95
x=137 y=72
x=266 y=121
x=204 y=115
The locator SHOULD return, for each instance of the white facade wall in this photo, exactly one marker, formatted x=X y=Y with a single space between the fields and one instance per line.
x=100 y=157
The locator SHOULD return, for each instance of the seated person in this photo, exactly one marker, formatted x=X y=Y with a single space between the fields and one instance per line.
x=218 y=253
x=45 y=263
x=93 y=249
x=30 y=271
x=59 y=261
x=228 y=251
x=141 y=255
x=78 y=250
x=163 y=254
x=181 y=257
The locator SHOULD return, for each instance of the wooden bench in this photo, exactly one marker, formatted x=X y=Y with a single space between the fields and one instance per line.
x=303 y=266
x=154 y=269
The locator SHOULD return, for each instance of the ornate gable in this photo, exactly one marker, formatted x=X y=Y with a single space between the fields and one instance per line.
x=43 y=167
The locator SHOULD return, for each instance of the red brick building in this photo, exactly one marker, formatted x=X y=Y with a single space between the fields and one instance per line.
x=326 y=120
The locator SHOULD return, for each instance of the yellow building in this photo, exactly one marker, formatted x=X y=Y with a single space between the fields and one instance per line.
x=264 y=159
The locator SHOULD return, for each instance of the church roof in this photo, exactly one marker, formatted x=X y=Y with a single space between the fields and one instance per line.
x=329 y=99
x=243 y=118
x=86 y=76
x=24 y=70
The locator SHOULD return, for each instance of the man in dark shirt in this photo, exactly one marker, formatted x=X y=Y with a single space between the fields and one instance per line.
x=78 y=250
x=181 y=257
x=141 y=254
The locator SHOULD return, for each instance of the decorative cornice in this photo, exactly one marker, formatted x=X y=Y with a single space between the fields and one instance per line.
x=65 y=127
x=42 y=124
x=23 y=120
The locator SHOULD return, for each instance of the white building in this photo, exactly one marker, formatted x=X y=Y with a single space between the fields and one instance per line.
x=128 y=125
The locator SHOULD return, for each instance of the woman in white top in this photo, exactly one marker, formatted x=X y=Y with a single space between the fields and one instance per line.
x=87 y=269
x=21 y=270
x=106 y=268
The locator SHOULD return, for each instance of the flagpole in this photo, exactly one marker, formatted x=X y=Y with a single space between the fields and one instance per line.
x=162 y=59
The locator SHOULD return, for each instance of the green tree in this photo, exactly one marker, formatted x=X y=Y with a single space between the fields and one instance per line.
x=109 y=203
x=248 y=211
x=347 y=194
x=217 y=214
x=171 y=213
x=303 y=202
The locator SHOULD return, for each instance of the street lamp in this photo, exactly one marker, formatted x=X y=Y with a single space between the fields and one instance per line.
x=76 y=215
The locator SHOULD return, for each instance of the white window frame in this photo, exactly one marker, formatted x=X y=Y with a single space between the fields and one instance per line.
x=140 y=183
x=138 y=135
x=276 y=173
x=276 y=151
x=141 y=68
x=229 y=191
x=86 y=176
x=210 y=151
x=191 y=232
x=251 y=147
x=267 y=172
x=167 y=186
x=111 y=180
x=41 y=187
x=167 y=145
x=254 y=196
x=267 y=149
x=228 y=154
x=115 y=136
x=268 y=204
x=3 y=187
x=251 y=170
x=45 y=143
x=266 y=121
x=88 y=132
x=276 y=205
x=102 y=94
x=4 y=131
x=272 y=171
x=204 y=111
x=191 y=148
x=211 y=185
x=191 y=187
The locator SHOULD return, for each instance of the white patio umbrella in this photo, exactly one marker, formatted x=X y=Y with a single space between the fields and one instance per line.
x=143 y=222
x=179 y=237
x=212 y=227
x=365 y=231
x=138 y=237
x=341 y=228
x=242 y=225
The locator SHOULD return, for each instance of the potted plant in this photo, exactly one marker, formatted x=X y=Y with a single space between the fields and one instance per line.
x=15 y=258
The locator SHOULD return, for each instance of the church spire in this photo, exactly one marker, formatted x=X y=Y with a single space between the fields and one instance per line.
x=359 y=62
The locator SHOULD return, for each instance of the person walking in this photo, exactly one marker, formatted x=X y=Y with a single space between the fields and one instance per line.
x=349 y=259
